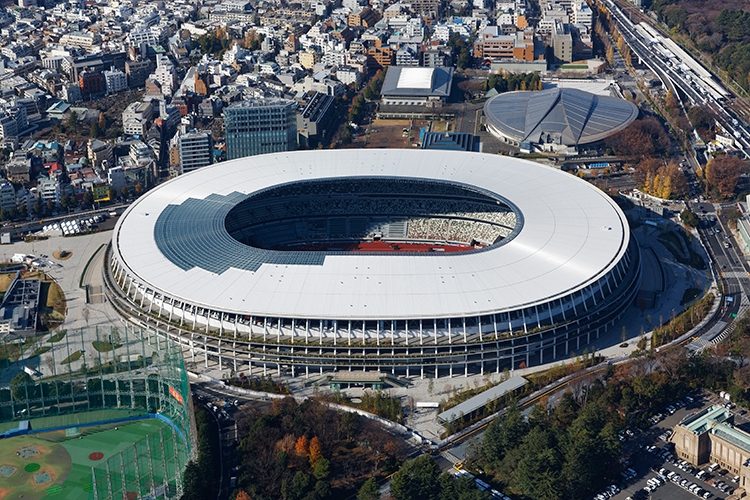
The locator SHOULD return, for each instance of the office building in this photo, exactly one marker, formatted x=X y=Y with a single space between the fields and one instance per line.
x=115 y=81
x=195 y=150
x=260 y=126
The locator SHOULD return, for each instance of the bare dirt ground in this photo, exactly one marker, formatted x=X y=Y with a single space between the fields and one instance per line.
x=393 y=133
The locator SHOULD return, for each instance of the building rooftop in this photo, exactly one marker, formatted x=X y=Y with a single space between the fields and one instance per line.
x=705 y=419
x=408 y=81
x=577 y=117
x=478 y=401
x=733 y=435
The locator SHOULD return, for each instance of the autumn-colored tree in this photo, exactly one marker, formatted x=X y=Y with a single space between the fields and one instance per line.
x=664 y=181
x=316 y=451
x=242 y=496
x=303 y=446
x=286 y=444
x=642 y=138
x=723 y=174
x=671 y=101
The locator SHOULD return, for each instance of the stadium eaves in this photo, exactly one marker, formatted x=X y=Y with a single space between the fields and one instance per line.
x=250 y=262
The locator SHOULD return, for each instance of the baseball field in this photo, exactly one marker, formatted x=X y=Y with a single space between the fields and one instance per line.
x=57 y=465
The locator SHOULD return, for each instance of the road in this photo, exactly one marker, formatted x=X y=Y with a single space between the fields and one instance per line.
x=228 y=434
x=688 y=80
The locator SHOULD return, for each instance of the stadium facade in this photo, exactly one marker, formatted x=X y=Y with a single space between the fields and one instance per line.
x=410 y=262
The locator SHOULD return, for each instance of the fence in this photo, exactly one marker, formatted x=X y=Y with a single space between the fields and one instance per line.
x=93 y=376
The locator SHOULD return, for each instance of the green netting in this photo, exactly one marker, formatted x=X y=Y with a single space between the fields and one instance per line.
x=95 y=376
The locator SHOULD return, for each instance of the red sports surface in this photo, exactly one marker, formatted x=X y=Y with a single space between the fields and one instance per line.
x=383 y=246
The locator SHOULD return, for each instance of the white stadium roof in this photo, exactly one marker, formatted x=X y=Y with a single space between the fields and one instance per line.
x=572 y=234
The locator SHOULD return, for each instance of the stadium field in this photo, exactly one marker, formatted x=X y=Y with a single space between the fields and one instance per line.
x=57 y=465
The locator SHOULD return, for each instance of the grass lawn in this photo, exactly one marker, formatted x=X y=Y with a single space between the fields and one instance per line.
x=102 y=346
x=58 y=336
x=679 y=246
x=52 y=303
x=5 y=280
x=53 y=462
x=73 y=357
x=41 y=350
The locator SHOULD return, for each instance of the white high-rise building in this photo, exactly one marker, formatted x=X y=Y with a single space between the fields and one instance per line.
x=115 y=81
x=195 y=149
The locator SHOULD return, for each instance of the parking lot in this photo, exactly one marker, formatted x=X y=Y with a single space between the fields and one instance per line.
x=648 y=458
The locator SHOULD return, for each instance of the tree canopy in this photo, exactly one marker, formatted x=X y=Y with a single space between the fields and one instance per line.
x=722 y=175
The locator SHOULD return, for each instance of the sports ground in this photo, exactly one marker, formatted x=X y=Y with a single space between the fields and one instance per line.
x=58 y=464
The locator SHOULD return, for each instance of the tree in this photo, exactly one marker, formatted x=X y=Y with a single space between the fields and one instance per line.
x=94 y=130
x=369 y=490
x=503 y=434
x=138 y=188
x=322 y=469
x=689 y=218
x=723 y=174
x=72 y=123
x=193 y=482
x=22 y=387
x=124 y=191
x=538 y=468
x=242 y=495
x=302 y=448
x=88 y=198
x=111 y=193
x=417 y=480
x=316 y=452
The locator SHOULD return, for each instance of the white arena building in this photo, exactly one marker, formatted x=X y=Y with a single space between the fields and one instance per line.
x=411 y=262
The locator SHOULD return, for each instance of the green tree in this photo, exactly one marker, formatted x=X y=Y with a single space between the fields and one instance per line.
x=94 y=130
x=72 y=123
x=322 y=468
x=369 y=490
x=111 y=193
x=124 y=192
x=88 y=198
x=538 y=469
x=504 y=433
x=417 y=480
x=22 y=387
x=193 y=482
x=689 y=218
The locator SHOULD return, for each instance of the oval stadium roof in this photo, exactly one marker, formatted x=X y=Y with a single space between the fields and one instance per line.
x=577 y=117
x=572 y=234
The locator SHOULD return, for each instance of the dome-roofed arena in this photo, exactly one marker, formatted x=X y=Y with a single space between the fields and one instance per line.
x=557 y=118
x=404 y=261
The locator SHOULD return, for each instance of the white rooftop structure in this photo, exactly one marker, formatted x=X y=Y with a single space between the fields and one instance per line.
x=416 y=78
x=569 y=235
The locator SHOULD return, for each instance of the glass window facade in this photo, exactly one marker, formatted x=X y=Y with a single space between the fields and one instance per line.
x=260 y=126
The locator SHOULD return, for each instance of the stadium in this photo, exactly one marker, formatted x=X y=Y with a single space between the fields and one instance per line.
x=557 y=119
x=410 y=262
x=94 y=414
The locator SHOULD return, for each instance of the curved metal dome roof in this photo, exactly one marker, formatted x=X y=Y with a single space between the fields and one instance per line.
x=577 y=117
